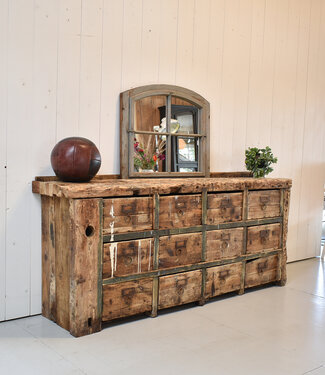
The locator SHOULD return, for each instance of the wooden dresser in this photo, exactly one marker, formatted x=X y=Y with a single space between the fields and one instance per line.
x=114 y=248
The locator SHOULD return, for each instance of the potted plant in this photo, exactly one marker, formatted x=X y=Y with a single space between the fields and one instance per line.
x=259 y=160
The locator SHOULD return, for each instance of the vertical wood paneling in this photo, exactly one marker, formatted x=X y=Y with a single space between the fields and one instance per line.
x=185 y=31
x=132 y=44
x=241 y=71
x=20 y=95
x=3 y=149
x=68 y=81
x=260 y=63
x=168 y=41
x=272 y=7
x=111 y=85
x=214 y=72
x=43 y=124
x=255 y=100
x=309 y=193
x=303 y=8
x=281 y=87
x=200 y=54
x=90 y=70
x=150 y=41
x=228 y=84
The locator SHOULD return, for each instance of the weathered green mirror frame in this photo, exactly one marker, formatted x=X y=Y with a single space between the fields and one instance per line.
x=127 y=131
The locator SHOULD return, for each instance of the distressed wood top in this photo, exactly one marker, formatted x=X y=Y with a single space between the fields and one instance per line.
x=112 y=187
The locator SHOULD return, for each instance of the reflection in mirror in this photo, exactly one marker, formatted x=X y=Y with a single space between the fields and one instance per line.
x=186 y=114
x=149 y=154
x=185 y=154
x=147 y=113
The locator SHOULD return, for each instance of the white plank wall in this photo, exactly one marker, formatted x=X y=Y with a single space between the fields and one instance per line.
x=63 y=63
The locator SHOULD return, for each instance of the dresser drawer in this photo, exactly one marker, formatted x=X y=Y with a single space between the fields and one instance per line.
x=261 y=271
x=179 y=289
x=263 y=203
x=225 y=243
x=223 y=279
x=224 y=207
x=122 y=215
x=180 y=249
x=127 y=257
x=180 y=211
x=263 y=237
x=125 y=299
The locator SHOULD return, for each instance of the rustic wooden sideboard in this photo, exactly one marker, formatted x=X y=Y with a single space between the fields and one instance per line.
x=114 y=248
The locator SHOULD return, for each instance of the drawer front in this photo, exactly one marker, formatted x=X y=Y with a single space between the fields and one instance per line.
x=127 y=257
x=179 y=289
x=127 y=215
x=264 y=203
x=125 y=299
x=223 y=279
x=261 y=271
x=224 y=207
x=223 y=244
x=180 y=249
x=180 y=211
x=263 y=237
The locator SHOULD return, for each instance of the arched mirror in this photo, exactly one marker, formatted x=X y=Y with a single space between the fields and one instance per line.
x=164 y=132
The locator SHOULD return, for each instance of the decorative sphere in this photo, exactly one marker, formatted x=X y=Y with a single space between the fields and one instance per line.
x=75 y=159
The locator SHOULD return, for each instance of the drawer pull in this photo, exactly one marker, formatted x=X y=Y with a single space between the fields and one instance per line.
x=178 y=251
x=128 y=261
x=128 y=294
x=225 y=236
x=261 y=267
x=264 y=200
x=129 y=208
x=180 y=290
x=225 y=203
x=264 y=235
x=180 y=212
x=180 y=204
x=225 y=245
x=223 y=275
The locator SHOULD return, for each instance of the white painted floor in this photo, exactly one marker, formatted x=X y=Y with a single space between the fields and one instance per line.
x=273 y=331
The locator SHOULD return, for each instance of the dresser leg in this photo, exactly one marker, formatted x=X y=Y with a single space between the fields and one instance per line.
x=201 y=302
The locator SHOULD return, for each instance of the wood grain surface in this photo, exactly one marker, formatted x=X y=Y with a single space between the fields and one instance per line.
x=224 y=207
x=127 y=215
x=180 y=211
x=223 y=279
x=261 y=271
x=127 y=257
x=180 y=249
x=125 y=299
x=263 y=204
x=128 y=187
x=179 y=289
x=263 y=237
x=224 y=244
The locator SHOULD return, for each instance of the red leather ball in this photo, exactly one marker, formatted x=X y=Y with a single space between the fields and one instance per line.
x=75 y=159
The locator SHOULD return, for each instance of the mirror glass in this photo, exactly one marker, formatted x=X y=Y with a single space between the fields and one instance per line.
x=149 y=153
x=185 y=154
x=186 y=115
x=147 y=113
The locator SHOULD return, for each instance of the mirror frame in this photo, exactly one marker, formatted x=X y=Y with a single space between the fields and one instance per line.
x=127 y=104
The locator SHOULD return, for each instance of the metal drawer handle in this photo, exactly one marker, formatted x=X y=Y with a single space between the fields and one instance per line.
x=223 y=275
x=264 y=200
x=264 y=235
x=261 y=267
x=225 y=245
x=180 y=204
